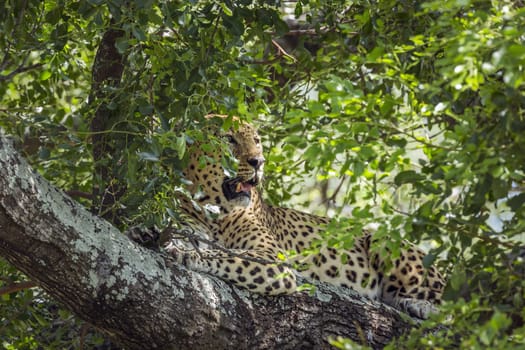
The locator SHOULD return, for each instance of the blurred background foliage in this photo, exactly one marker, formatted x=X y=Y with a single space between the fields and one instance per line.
x=407 y=116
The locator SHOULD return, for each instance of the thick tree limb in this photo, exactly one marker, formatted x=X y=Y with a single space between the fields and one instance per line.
x=135 y=296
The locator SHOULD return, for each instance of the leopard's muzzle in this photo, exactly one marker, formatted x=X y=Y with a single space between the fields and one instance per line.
x=234 y=187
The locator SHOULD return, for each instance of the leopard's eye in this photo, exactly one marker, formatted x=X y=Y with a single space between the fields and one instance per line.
x=231 y=139
x=257 y=140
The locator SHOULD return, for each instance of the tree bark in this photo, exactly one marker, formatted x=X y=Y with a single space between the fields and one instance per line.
x=107 y=73
x=143 y=301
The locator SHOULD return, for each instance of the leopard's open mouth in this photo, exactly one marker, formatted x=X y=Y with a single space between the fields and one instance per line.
x=234 y=188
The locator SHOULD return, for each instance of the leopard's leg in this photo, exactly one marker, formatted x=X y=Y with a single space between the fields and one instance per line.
x=255 y=270
x=411 y=287
x=414 y=307
x=147 y=237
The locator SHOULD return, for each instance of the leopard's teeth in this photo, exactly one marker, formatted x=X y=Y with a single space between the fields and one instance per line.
x=238 y=187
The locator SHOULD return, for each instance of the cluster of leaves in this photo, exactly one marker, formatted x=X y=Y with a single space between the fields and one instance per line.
x=426 y=122
x=30 y=319
x=407 y=111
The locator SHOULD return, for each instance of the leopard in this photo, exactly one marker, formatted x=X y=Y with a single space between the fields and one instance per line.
x=259 y=247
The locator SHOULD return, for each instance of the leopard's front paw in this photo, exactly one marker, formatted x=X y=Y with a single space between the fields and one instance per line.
x=147 y=237
x=178 y=254
x=422 y=309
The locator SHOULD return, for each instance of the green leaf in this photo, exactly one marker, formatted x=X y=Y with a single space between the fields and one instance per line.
x=225 y=9
x=137 y=33
x=428 y=260
x=147 y=156
x=375 y=54
x=516 y=202
x=298 y=11
x=408 y=176
x=122 y=45
x=44 y=75
x=146 y=109
x=44 y=153
x=458 y=278
x=397 y=141
x=180 y=146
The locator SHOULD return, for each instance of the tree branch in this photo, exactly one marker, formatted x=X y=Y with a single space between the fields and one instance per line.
x=138 y=298
x=107 y=71
x=18 y=70
x=16 y=287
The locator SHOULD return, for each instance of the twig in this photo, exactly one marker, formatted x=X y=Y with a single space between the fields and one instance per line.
x=84 y=329
x=336 y=191
x=283 y=51
x=16 y=287
x=19 y=70
x=215 y=27
x=81 y=194
x=271 y=61
x=312 y=32
x=5 y=61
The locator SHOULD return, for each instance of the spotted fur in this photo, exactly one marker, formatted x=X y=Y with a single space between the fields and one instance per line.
x=255 y=234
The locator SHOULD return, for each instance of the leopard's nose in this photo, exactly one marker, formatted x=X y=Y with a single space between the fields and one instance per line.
x=256 y=162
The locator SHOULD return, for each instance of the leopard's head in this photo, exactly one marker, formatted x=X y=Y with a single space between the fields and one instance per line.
x=213 y=185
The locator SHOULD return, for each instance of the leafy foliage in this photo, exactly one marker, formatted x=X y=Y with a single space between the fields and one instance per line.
x=29 y=319
x=408 y=114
